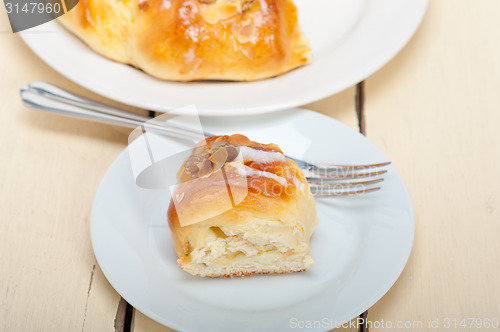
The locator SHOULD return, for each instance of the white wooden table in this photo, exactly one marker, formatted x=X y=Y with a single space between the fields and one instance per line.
x=434 y=109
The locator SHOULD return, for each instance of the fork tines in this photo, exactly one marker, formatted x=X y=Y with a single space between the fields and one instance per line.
x=337 y=180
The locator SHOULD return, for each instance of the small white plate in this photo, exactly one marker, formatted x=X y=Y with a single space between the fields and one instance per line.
x=350 y=40
x=360 y=246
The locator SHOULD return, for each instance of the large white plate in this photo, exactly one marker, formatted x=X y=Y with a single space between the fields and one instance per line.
x=350 y=39
x=360 y=246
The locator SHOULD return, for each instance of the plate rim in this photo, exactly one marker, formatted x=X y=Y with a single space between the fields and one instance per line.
x=313 y=95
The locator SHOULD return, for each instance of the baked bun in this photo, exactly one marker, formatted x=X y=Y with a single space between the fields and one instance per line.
x=241 y=208
x=187 y=40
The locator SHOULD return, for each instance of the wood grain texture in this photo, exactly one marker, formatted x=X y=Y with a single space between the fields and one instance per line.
x=435 y=111
x=50 y=167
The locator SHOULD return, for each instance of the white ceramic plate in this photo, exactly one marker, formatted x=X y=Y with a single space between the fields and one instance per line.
x=350 y=39
x=360 y=246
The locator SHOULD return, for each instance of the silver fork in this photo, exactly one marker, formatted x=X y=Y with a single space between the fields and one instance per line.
x=324 y=180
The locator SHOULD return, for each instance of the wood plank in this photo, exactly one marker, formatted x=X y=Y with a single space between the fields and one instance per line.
x=143 y=323
x=340 y=106
x=55 y=164
x=435 y=111
x=50 y=166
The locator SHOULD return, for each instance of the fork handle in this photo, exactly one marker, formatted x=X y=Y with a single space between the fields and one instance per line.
x=47 y=97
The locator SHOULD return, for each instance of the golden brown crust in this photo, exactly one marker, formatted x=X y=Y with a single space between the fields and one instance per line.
x=190 y=40
x=257 y=195
x=103 y=25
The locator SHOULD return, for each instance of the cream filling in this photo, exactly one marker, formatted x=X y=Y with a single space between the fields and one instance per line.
x=268 y=247
x=261 y=156
x=226 y=255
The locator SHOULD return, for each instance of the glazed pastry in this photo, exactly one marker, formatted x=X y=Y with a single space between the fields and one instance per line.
x=241 y=208
x=186 y=40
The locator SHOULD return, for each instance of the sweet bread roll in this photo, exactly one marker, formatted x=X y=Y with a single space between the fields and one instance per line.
x=241 y=208
x=187 y=40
